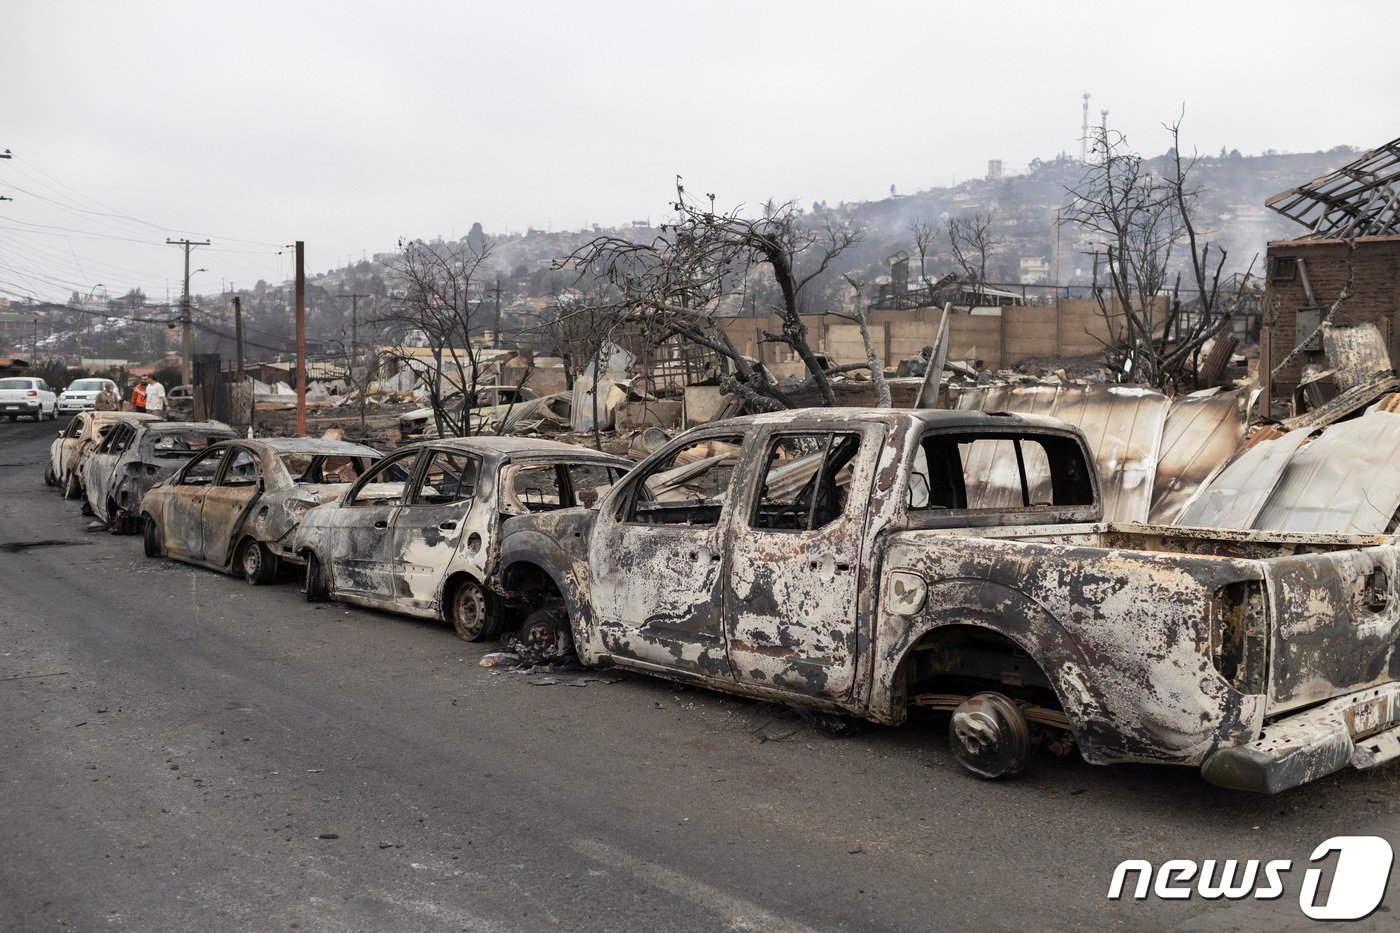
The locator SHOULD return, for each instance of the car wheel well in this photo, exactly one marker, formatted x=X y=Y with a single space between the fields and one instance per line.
x=530 y=584
x=966 y=669
x=960 y=660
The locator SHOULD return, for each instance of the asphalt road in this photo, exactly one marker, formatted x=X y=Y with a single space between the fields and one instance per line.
x=183 y=751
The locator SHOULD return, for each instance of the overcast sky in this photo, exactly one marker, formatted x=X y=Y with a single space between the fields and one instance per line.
x=349 y=124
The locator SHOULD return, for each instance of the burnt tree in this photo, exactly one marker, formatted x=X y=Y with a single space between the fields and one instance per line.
x=704 y=260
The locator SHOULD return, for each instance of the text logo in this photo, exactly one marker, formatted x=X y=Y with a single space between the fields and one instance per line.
x=1357 y=881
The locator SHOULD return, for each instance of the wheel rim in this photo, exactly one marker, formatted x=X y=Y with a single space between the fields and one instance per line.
x=989 y=736
x=541 y=633
x=252 y=561
x=469 y=611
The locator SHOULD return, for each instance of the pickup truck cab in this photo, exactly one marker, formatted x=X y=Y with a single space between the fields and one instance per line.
x=867 y=562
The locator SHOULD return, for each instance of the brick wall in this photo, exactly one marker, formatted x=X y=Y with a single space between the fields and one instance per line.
x=1295 y=265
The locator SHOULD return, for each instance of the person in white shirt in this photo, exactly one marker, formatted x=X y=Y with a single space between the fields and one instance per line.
x=155 y=398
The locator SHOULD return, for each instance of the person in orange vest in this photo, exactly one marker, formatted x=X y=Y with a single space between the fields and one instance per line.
x=138 y=396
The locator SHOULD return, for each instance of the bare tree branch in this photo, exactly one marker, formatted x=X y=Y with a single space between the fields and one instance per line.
x=702 y=260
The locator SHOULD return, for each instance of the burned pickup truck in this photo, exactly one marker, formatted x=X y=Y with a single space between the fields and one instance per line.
x=868 y=562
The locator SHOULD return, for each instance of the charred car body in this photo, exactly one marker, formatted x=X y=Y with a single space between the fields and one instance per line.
x=867 y=562
x=235 y=506
x=418 y=534
x=83 y=433
x=133 y=457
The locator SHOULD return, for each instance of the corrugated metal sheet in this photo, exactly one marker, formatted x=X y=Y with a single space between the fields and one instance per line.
x=1357 y=352
x=1123 y=425
x=1343 y=482
x=1238 y=493
x=1347 y=403
x=1201 y=434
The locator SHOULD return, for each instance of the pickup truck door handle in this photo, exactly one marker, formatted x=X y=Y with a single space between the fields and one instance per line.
x=382 y=523
x=448 y=526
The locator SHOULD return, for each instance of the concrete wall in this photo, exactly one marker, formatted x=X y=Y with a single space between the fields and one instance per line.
x=1074 y=328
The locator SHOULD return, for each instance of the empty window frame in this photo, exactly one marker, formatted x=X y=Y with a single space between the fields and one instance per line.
x=998 y=472
x=449 y=477
x=689 y=487
x=804 y=481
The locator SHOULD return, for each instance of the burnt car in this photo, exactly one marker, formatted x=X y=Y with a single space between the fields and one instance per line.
x=179 y=402
x=234 y=506
x=83 y=433
x=133 y=457
x=418 y=534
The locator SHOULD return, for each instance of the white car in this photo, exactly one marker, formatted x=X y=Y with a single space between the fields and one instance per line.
x=82 y=395
x=27 y=396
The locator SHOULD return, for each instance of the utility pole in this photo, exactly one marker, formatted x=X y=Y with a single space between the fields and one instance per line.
x=354 y=324
x=496 y=333
x=238 y=334
x=301 y=337
x=186 y=361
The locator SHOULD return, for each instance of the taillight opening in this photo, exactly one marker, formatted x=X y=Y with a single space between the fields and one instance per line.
x=1239 y=647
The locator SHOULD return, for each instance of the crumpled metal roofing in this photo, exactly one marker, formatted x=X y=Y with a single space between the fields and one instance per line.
x=1202 y=433
x=1234 y=498
x=1345 y=481
x=1342 y=481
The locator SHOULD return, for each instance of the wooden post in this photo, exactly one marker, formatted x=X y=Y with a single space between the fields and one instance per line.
x=238 y=333
x=301 y=337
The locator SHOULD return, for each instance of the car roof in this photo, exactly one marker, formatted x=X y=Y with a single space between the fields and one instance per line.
x=306 y=445
x=519 y=448
x=189 y=427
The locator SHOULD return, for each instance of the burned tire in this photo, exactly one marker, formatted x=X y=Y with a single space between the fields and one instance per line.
x=71 y=487
x=49 y=478
x=115 y=523
x=545 y=635
x=315 y=587
x=472 y=612
x=256 y=563
x=150 y=539
x=990 y=736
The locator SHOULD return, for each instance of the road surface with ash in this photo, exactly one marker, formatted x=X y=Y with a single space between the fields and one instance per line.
x=183 y=751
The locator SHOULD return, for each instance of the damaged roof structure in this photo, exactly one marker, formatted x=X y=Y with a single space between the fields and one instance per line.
x=1360 y=199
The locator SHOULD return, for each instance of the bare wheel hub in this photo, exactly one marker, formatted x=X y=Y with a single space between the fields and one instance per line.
x=989 y=736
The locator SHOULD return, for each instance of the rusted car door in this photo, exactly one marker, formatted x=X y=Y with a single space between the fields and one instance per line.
x=182 y=530
x=795 y=561
x=439 y=512
x=227 y=502
x=360 y=537
x=102 y=467
x=657 y=560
